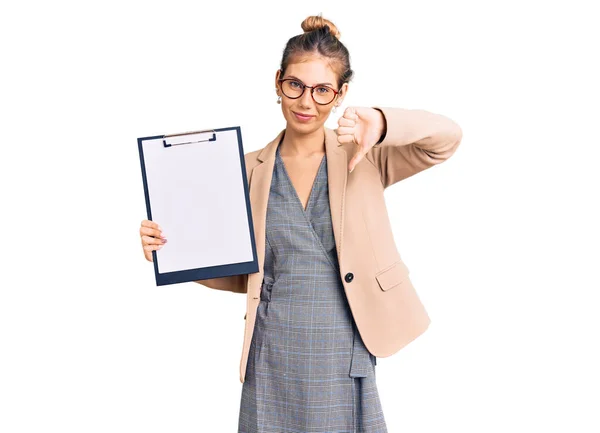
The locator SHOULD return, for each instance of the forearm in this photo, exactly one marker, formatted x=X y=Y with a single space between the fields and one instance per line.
x=234 y=283
x=413 y=140
x=435 y=133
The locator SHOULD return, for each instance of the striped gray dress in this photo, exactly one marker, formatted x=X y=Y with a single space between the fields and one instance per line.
x=308 y=369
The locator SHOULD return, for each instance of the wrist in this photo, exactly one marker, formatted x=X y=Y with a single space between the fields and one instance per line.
x=383 y=127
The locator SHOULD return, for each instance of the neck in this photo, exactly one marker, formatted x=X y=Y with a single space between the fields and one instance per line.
x=303 y=145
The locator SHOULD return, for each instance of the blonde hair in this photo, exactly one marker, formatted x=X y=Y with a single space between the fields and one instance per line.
x=317 y=22
x=320 y=37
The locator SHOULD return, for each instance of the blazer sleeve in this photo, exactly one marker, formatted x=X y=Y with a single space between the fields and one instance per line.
x=414 y=140
x=233 y=283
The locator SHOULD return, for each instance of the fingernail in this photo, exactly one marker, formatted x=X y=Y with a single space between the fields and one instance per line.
x=352 y=169
x=164 y=241
x=160 y=246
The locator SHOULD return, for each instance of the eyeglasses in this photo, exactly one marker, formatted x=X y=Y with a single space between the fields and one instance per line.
x=294 y=89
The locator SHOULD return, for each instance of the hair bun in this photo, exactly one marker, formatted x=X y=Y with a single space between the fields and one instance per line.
x=316 y=22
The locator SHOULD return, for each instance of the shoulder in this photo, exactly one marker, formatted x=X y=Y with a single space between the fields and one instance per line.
x=251 y=159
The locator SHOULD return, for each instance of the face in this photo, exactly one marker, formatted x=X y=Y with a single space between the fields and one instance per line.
x=310 y=71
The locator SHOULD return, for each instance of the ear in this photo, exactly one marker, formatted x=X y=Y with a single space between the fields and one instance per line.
x=277 y=76
x=342 y=94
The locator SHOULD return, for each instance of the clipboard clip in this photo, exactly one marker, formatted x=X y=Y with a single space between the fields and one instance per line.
x=189 y=137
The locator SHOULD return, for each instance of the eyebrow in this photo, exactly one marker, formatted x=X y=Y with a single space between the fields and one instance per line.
x=318 y=84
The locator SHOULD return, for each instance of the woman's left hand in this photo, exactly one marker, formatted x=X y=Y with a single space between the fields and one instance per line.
x=363 y=126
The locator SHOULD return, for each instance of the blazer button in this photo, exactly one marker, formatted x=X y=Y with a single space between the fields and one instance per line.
x=349 y=277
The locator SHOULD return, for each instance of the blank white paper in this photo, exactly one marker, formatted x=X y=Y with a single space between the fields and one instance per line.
x=197 y=196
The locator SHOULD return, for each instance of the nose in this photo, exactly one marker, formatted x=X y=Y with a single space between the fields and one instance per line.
x=306 y=98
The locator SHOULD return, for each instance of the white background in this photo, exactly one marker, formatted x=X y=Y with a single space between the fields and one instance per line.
x=501 y=240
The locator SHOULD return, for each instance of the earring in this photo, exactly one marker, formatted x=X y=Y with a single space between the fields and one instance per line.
x=334 y=108
x=279 y=99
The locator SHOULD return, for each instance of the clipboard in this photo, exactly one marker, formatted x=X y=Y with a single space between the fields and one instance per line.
x=196 y=189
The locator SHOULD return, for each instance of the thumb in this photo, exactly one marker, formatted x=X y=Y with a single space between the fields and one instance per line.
x=354 y=161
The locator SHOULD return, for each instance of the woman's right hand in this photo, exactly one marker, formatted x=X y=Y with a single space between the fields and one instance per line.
x=152 y=238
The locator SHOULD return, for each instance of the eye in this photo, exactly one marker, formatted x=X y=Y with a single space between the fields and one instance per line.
x=323 y=90
x=295 y=84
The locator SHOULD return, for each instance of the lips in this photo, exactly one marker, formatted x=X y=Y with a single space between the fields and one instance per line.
x=303 y=116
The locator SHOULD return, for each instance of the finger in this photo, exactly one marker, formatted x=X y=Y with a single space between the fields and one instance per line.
x=344 y=130
x=358 y=156
x=346 y=138
x=152 y=247
x=151 y=224
x=350 y=113
x=151 y=232
x=149 y=240
x=344 y=121
x=354 y=161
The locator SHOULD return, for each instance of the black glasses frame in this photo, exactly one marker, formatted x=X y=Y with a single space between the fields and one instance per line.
x=312 y=90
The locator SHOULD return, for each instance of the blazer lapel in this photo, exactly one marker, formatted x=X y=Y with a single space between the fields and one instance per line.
x=260 y=185
x=337 y=176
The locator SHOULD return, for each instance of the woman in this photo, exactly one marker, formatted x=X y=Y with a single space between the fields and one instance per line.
x=331 y=281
